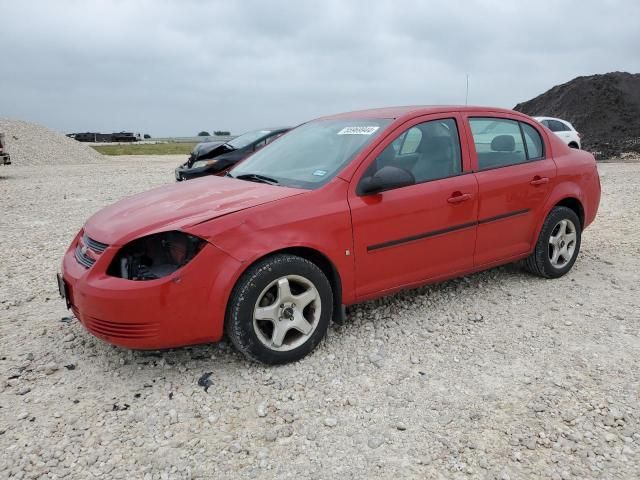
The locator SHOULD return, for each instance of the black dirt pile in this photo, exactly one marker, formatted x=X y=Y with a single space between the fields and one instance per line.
x=605 y=109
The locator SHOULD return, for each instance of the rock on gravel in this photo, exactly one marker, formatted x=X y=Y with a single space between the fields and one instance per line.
x=331 y=422
x=33 y=144
x=375 y=442
x=477 y=377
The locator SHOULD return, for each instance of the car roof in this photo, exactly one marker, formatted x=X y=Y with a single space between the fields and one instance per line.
x=410 y=110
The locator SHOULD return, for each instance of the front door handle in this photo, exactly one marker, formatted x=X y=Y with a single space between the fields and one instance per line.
x=458 y=197
x=538 y=180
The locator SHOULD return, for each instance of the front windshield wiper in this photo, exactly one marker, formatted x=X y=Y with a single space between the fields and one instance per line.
x=254 y=177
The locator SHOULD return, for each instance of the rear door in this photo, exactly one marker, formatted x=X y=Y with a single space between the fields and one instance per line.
x=423 y=231
x=515 y=174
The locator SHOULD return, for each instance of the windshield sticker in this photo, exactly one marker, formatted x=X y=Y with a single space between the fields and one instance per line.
x=320 y=173
x=357 y=130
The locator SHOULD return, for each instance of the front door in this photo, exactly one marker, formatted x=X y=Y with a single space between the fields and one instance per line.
x=409 y=235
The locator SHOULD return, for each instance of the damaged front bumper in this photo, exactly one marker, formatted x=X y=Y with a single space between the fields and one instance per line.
x=181 y=308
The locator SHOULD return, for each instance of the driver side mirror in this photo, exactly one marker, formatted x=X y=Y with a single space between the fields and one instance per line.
x=387 y=178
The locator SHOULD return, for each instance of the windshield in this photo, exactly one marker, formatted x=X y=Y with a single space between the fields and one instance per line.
x=312 y=154
x=247 y=138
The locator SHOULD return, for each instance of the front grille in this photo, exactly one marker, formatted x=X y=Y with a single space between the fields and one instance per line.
x=86 y=248
x=83 y=259
x=94 y=245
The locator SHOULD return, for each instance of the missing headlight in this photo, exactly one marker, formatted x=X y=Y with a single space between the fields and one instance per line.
x=155 y=256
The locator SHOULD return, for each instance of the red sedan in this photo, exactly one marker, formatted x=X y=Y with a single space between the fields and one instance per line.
x=340 y=210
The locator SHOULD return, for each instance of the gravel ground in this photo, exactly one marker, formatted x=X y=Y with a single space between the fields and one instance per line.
x=496 y=375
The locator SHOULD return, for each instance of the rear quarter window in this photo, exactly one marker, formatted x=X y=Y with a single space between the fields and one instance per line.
x=533 y=140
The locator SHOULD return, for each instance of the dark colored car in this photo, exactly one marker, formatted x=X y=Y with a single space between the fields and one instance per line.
x=215 y=158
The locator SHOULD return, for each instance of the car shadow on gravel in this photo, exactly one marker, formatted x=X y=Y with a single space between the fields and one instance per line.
x=226 y=363
x=440 y=292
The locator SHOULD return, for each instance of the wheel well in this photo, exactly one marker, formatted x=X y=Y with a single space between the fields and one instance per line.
x=575 y=205
x=325 y=265
x=573 y=144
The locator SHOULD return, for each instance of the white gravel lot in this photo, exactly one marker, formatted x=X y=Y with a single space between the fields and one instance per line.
x=496 y=375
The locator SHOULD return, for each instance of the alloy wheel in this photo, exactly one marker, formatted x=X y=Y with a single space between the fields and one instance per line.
x=562 y=243
x=287 y=313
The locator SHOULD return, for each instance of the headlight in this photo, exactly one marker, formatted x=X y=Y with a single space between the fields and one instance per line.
x=203 y=163
x=155 y=256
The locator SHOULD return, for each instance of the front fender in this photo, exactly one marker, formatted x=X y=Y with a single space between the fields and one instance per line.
x=320 y=221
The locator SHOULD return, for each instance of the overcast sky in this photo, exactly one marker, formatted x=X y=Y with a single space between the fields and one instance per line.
x=178 y=67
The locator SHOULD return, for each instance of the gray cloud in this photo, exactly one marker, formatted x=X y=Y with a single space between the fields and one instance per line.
x=174 y=68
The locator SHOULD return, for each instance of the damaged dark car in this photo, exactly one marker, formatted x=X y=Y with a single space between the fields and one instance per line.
x=216 y=158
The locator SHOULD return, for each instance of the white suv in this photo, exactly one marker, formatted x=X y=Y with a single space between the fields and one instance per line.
x=562 y=129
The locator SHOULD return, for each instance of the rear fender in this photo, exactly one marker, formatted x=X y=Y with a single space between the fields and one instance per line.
x=562 y=191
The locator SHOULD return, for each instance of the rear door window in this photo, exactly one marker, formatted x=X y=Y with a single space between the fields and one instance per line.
x=500 y=142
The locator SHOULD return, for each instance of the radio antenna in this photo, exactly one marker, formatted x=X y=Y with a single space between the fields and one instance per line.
x=466 y=95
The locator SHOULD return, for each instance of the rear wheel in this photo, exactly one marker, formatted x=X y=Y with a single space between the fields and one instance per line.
x=558 y=244
x=279 y=309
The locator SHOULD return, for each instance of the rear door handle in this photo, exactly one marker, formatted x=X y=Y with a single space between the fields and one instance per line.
x=458 y=197
x=538 y=180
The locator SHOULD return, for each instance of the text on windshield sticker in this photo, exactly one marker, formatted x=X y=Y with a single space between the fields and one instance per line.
x=357 y=130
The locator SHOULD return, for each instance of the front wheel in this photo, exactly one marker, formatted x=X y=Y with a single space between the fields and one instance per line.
x=558 y=244
x=280 y=309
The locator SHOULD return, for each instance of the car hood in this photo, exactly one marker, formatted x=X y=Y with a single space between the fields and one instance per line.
x=211 y=150
x=178 y=206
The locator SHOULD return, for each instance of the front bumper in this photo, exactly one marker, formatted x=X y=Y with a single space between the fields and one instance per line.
x=183 y=308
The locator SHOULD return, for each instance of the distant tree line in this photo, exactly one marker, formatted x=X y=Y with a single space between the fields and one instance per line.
x=217 y=133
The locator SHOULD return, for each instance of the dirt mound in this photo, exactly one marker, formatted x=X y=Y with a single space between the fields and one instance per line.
x=32 y=144
x=605 y=109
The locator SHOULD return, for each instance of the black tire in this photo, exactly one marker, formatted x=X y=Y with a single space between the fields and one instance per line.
x=239 y=323
x=539 y=262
